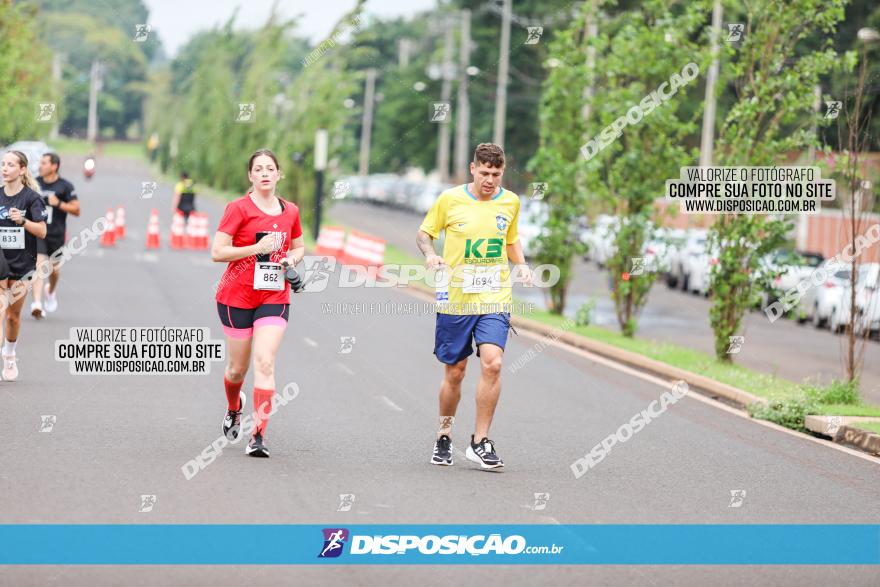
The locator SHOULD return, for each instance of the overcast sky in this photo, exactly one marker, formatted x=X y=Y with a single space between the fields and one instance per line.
x=177 y=20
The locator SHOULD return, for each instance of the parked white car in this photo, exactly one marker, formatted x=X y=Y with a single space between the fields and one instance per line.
x=820 y=301
x=422 y=198
x=533 y=217
x=868 y=299
x=697 y=269
x=788 y=268
x=680 y=254
x=602 y=239
x=658 y=248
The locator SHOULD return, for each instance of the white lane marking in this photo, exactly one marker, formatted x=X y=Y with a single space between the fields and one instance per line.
x=146 y=257
x=706 y=400
x=345 y=368
x=390 y=403
x=309 y=341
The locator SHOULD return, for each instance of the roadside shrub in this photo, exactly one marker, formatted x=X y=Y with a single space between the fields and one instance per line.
x=838 y=392
x=788 y=413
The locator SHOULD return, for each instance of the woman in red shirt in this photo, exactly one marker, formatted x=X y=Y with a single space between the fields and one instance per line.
x=260 y=237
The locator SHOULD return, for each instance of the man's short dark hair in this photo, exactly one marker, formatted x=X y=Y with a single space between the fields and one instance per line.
x=54 y=159
x=184 y=175
x=490 y=154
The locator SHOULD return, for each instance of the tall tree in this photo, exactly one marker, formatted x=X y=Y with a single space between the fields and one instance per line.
x=25 y=75
x=773 y=75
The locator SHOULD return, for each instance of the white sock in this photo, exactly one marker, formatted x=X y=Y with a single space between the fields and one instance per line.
x=9 y=348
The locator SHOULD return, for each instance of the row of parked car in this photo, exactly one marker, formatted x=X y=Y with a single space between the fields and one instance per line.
x=388 y=189
x=685 y=260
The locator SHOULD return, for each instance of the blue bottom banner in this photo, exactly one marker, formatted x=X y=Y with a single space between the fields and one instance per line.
x=208 y=544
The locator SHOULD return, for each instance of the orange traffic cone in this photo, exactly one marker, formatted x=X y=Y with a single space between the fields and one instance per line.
x=177 y=231
x=203 y=232
x=120 y=222
x=108 y=237
x=153 y=237
x=190 y=231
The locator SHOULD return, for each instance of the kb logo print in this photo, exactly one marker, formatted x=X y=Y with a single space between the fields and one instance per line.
x=491 y=250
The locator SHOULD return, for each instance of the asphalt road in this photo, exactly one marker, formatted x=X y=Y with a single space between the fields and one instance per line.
x=784 y=348
x=363 y=424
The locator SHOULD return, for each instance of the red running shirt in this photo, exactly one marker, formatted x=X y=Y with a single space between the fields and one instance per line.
x=242 y=220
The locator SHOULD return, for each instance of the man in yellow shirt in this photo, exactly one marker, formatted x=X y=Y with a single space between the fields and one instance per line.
x=480 y=221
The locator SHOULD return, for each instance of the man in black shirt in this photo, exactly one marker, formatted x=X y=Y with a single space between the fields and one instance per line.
x=60 y=199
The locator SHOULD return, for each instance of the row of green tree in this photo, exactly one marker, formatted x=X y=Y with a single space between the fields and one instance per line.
x=765 y=113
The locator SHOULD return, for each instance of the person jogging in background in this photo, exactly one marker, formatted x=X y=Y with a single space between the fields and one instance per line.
x=184 y=196
x=59 y=199
x=480 y=220
x=22 y=222
x=261 y=239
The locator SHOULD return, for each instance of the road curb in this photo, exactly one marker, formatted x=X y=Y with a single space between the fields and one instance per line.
x=844 y=430
x=714 y=388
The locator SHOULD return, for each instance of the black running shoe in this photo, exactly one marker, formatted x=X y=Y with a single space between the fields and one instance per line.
x=256 y=448
x=442 y=451
x=483 y=453
x=232 y=421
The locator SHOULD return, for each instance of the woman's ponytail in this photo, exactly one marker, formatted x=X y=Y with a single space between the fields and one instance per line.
x=28 y=180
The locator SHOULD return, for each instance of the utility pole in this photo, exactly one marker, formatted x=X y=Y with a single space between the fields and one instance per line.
x=320 y=165
x=708 y=139
x=95 y=74
x=445 y=94
x=592 y=31
x=403 y=47
x=503 y=65
x=56 y=79
x=463 y=107
x=817 y=105
x=367 y=123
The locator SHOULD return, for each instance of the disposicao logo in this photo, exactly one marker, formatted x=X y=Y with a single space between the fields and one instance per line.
x=334 y=540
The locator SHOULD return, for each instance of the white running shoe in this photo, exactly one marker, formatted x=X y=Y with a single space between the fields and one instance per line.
x=37 y=310
x=51 y=301
x=10 y=369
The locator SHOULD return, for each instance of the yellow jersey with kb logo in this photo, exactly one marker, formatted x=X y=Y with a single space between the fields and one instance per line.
x=475 y=249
